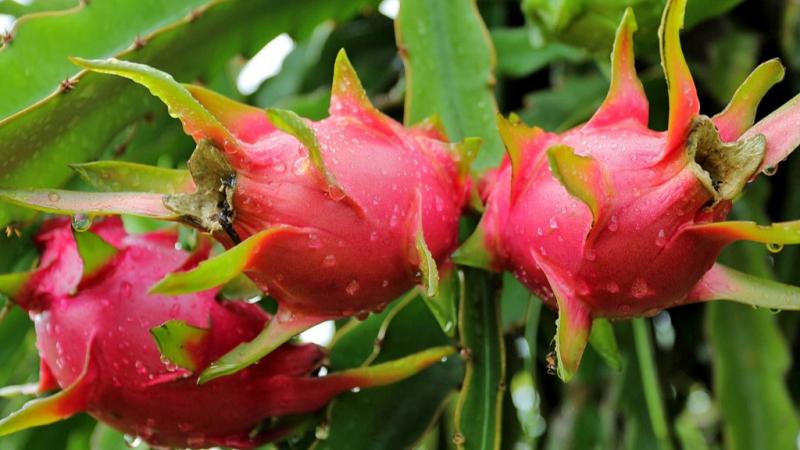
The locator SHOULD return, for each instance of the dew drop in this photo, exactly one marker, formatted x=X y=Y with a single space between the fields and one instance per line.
x=300 y=165
x=352 y=287
x=373 y=236
x=459 y=439
x=335 y=193
x=612 y=287
x=553 y=223
x=53 y=196
x=639 y=288
x=314 y=242
x=322 y=431
x=126 y=289
x=279 y=167
x=132 y=441
x=770 y=171
x=329 y=261
x=661 y=239
x=613 y=225
x=774 y=247
x=81 y=222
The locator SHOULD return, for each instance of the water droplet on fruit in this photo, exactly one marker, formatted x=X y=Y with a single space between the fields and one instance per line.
x=373 y=236
x=590 y=255
x=352 y=287
x=314 y=242
x=53 y=196
x=132 y=441
x=279 y=167
x=300 y=165
x=770 y=171
x=639 y=288
x=385 y=283
x=439 y=204
x=81 y=222
x=612 y=224
x=774 y=247
x=612 y=287
x=539 y=231
x=553 y=223
x=661 y=239
x=329 y=261
x=335 y=193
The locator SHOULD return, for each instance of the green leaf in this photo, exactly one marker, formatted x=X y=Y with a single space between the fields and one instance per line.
x=391 y=424
x=119 y=176
x=427 y=265
x=447 y=48
x=565 y=105
x=94 y=252
x=217 y=270
x=590 y=24
x=517 y=56
x=479 y=407
x=750 y=361
x=604 y=342
x=177 y=341
x=75 y=126
x=654 y=399
x=443 y=302
x=44 y=41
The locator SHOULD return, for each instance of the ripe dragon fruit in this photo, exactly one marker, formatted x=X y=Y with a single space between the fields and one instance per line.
x=131 y=359
x=335 y=218
x=614 y=220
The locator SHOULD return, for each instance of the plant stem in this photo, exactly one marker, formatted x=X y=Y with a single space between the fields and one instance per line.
x=650 y=383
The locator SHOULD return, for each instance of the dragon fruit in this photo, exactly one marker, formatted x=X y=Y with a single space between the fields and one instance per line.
x=336 y=217
x=614 y=220
x=131 y=359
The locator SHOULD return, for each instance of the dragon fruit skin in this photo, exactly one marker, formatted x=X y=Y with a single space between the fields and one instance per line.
x=355 y=254
x=332 y=218
x=611 y=219
x=95 y=335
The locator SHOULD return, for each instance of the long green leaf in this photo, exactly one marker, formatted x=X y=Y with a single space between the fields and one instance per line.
x=449 y=62
x=478 y=413
x=35 y=62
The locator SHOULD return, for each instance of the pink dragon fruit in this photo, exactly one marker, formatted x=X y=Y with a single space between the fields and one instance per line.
x=131 y=359
x=614 y=220
x=336 y=217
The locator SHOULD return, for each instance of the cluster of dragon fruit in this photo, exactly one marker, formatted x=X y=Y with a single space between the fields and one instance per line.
x=338 y=217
